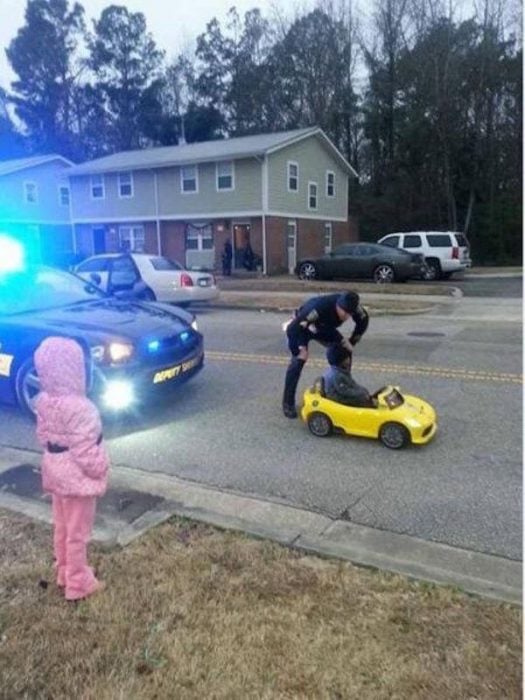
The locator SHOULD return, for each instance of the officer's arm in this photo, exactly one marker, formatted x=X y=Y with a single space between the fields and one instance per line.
x=360 y=318
x=303 y=318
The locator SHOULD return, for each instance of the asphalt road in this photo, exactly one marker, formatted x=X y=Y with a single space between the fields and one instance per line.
x=225 y=429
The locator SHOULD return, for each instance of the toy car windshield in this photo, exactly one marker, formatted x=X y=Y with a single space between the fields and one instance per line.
x=394 y=399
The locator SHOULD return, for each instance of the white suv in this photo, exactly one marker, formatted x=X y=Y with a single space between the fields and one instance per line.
x=445 y=252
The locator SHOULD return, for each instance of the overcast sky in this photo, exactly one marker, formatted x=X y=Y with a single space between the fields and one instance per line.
x=173 y=23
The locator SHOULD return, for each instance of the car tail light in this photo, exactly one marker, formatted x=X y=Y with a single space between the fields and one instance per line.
x=185 y=280
x=455 y=253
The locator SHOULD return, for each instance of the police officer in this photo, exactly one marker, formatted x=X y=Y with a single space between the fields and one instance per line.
x=318 y=319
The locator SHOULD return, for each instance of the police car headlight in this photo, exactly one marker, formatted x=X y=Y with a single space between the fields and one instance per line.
x=118 y=395
x=194 y=325
x=120 y=352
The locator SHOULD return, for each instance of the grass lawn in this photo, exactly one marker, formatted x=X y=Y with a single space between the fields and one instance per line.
x=194 y=612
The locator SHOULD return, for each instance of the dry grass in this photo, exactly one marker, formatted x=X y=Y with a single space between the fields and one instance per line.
x=193 y=612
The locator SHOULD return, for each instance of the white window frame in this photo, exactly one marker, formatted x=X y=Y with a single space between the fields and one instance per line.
x=131 y=185
x=61 y=189
x=102 y=184
x=310 y=183
x=182 y=180
x=328 y=235
x=328 y=173
x=34 y=185
x=232 y=175
x=199 y=233
x=289 y=176
x=132 y=236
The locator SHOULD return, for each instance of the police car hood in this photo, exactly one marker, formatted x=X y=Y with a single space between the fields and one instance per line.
x=113 y=317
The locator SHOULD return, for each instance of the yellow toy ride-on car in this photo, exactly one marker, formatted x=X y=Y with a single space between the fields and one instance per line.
x=397 y=419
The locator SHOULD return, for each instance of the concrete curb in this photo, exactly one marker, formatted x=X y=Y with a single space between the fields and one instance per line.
x=481 y=574
x=267 y=308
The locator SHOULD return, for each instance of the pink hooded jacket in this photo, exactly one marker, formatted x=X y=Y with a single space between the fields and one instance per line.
x=67 y=418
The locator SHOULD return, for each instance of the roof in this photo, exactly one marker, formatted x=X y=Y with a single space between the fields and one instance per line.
x=224 y=149
x=11 y=166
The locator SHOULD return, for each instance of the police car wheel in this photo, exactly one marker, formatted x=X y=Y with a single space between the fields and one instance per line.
x=27 y=386
x=394 y=436
x=319 y=424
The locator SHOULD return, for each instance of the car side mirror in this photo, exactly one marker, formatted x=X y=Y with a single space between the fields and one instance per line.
x=95 y=278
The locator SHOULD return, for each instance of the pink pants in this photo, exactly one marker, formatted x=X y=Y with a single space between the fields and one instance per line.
x=73 y=520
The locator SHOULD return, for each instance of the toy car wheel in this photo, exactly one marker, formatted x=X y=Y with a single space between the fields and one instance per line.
x=394 y=435
x=319 y=424
x=307 y=271
x=27 y=387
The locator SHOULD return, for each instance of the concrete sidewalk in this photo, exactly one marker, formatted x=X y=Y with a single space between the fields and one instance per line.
x=153 y=498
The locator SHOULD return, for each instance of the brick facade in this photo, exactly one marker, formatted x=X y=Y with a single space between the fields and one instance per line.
x=310 y=238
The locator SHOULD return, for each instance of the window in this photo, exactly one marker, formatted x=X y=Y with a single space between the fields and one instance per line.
x=293 y=177
x=94 y=265
x=327 y=237
x=123 y=273
x=345 y=249
x=312 y=195
x=63 y=195
x=330 y=183
x=392 y=241
x=132 y=238
x=165 y=264
x=439 y=240
x=462 y=241
x=225 y=175
x=199 y=237
x=97 y=187
x=412 y=241
x=125 y=185
x=30 y=192
x=188 y=179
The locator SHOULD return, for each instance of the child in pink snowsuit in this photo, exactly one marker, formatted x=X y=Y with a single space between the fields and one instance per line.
x=75 y=462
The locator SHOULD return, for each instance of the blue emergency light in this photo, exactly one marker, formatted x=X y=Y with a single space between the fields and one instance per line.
x=12 y=255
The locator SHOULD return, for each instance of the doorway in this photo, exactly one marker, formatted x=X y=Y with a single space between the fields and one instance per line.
x=99 y=240
x=242 y=246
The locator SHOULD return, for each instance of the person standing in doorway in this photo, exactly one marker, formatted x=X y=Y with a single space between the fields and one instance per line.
x=227 y=255
x=318 y=319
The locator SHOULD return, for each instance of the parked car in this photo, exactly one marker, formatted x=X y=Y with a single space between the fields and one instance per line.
x=445 y=252
x=380 y=263
x=133 y=349
x=148 y=277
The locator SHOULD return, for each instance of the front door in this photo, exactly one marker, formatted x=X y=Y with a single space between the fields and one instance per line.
x=99 y=240
x=241 y=246
x=291 y=245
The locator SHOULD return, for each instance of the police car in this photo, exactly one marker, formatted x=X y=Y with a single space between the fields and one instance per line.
x=134 y=350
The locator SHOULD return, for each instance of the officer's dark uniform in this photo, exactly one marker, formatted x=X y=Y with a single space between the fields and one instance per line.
x=318 y=320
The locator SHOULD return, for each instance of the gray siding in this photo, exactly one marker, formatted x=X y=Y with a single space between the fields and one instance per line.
x=245 y=197
x=47 y=209
x=141 y=205
x=313 y=160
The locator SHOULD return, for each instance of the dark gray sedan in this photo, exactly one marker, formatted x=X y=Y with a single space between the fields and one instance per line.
x=380 y=263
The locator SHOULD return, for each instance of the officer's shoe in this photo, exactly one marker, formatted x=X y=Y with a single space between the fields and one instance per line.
x=289 y=410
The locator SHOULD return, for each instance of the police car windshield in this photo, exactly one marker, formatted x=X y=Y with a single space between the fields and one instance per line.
x=42 y=288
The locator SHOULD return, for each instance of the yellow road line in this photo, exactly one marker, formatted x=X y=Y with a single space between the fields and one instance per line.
x=448 y=372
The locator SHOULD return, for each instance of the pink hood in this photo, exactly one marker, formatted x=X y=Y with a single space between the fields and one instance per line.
x=60 y=366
